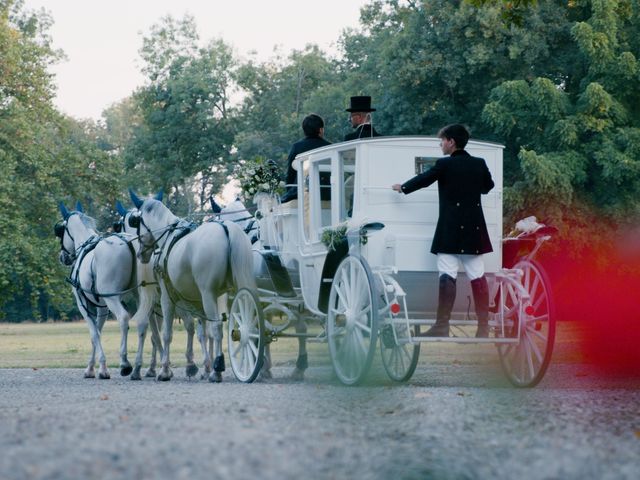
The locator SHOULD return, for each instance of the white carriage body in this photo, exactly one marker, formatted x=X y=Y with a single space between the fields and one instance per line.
x=386 y=286
x=361 y=174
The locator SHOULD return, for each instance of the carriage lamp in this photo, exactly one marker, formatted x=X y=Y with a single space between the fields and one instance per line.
x=395 y=308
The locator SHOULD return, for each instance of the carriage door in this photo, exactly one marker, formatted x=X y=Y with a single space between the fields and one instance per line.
x=315 y=212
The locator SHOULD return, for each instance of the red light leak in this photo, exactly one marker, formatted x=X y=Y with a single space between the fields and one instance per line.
x=605 y=301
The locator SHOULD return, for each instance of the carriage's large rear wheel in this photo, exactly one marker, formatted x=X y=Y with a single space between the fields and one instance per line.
x=526 y=362
x=352 y=328
x=246 y=336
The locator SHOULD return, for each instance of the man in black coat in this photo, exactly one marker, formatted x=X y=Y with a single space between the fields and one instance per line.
x=461 y=232
x=360 y=110
x=313 y=128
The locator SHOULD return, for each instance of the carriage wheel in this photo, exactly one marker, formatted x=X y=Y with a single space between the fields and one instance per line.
x=246 y=336
x=399 y=360
x=352 y=320
x=526 y=362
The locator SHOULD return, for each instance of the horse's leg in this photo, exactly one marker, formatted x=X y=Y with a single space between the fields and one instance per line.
x=210 y=307
x=301 y=362
x=115 y=305
x=141 y=319
x=101 y=317
x=192 y=368
x=167 y=335
x=203 y=336
x=156 y=343
x=265 y=371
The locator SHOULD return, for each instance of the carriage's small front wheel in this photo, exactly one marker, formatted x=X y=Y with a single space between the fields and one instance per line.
x=526 y=362
x=399 y=356
x=352 y=320
x=246 y=337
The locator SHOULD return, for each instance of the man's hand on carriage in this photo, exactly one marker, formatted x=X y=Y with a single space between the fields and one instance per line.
x=397 y=187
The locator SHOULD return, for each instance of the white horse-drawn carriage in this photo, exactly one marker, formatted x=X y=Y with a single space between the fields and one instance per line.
x=353 y=255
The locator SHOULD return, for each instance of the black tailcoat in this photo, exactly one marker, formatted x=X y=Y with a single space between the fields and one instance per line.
x=461 y=228
x=362 y=131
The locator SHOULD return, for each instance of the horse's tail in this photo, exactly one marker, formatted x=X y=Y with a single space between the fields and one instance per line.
x=240 y=258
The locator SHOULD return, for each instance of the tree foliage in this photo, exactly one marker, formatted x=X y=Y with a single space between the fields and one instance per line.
x=577 y=135
x=184 y=126
x=553 y=80
x=44 y=158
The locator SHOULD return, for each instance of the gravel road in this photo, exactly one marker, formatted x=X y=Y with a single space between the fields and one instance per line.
x=455 y=421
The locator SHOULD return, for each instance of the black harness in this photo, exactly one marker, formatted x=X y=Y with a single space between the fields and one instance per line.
x=74 y=278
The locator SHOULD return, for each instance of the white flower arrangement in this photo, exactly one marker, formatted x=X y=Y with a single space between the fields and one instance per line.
x=259 y=176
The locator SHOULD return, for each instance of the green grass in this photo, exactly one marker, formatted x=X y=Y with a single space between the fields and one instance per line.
x=67 y=345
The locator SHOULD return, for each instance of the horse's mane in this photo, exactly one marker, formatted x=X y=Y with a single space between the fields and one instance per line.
x=87 y=221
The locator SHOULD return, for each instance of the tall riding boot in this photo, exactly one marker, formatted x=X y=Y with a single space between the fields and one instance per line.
x=480 y=290
x=446 y=298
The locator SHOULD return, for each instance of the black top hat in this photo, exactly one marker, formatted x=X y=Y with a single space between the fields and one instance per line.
x=361 y=104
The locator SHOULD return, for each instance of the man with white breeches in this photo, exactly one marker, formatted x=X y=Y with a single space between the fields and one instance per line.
x=461 y=232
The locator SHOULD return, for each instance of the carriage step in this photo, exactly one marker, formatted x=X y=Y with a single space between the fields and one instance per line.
x=279 y=275
x=474 y=340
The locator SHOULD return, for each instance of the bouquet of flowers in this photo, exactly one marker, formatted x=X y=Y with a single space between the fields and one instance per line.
x=259 y=176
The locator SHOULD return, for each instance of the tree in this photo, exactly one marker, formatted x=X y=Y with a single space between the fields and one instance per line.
x=578 y=135
x=44 y=158
x=184 y=127
x=277 y=96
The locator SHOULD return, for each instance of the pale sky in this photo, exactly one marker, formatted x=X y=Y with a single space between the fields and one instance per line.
x=101 y=38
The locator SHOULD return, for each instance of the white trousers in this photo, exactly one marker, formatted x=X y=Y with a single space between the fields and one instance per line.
x=473 y=265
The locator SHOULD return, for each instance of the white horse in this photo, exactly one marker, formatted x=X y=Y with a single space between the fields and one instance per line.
x=146 y=314
x=101 y=274
x=196 y=268
x=237 y=213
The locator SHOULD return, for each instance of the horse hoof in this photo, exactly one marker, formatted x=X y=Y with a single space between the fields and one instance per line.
x=192 y=370
x=125 y=370
x=297 y=375
x=151 y=373
x=164 y=378
x=215 y=377
x=104 y=376
x=136 y=374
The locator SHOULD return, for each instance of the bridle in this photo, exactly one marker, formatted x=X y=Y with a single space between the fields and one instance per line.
x=60 y=229
x=136 y=221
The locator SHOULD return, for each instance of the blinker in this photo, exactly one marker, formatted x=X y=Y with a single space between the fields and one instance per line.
x=59 y=229
x=134 y=221
x=117 y=227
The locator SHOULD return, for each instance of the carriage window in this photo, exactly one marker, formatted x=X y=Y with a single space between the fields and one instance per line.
x=424 y=163
x=324 y=182
x=347 y=185
x=316 y=197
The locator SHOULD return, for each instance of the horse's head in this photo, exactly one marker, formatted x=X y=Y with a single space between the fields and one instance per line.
x=151 y=222
x=74 y=225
